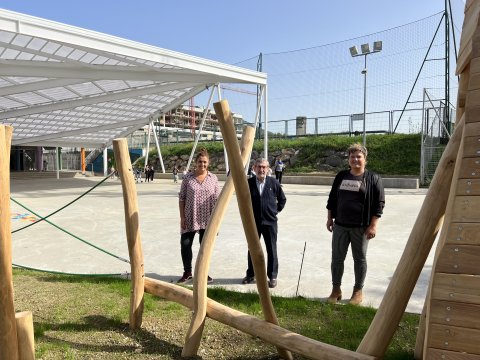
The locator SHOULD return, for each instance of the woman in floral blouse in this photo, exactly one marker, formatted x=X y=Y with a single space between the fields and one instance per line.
x=197 y=198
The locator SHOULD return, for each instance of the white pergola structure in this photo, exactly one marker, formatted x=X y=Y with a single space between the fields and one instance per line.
x=63 y=86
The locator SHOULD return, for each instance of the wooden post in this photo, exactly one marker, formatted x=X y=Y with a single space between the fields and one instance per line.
x=194 y=334
x=270 y=333
x=225 y=121
x=422 y=237
x=8 y=331
x=132 y=227
x=26 y=342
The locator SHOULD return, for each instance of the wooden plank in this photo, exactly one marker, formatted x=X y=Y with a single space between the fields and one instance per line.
x=455 y=314
x=472 y=111
x=471 y=146
x=468 y=3
x=464 y=58
x=462 y=92
x=470 y=168
x=473 y=96
x=465 y=52
x=436 y=354
x=466 y=209
x=468 y=187
x=472 y=128
x=459 y=259
x=463 y=233
x=456 y=287
x=468 y=31
x=454 y=338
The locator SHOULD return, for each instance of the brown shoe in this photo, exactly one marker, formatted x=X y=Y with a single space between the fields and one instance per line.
x=357 y=297
x=335 y=296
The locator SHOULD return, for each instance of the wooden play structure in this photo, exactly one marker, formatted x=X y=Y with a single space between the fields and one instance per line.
x=450 y=323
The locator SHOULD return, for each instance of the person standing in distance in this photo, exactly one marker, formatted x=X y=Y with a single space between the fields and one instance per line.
x=198 y=195
x=268 y=200
x=355 y=205
x=279 y=169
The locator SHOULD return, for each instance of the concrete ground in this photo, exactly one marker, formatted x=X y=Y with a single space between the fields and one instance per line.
x=99 y=219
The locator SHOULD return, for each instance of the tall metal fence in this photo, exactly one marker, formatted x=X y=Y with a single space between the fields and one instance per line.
x=381 y=122
x=435 y=136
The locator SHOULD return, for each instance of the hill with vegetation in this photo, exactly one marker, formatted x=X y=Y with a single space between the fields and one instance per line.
x=397 y=154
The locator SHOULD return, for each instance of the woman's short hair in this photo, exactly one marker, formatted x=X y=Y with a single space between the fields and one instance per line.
x=202 y=152
x=357 y=147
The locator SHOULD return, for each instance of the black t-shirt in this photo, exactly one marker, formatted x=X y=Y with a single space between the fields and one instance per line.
x=351 y=198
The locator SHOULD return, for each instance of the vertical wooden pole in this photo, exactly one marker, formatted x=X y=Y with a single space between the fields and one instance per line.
x=26 y=342
x=420 y=241
x=132 y=227
x=8 y=331
x=194 y=334
x=237 y=172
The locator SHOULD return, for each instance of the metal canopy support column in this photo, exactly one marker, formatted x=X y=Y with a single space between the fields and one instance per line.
x=265 y=129
x=148 y=147
x=257 y=118
x=105 y=161
x=57 y=165
x=225 y=154
x=158 y=148
x=200 y=128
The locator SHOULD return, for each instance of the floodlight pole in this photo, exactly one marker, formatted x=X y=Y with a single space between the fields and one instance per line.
x=364 y=72
x=365 y=51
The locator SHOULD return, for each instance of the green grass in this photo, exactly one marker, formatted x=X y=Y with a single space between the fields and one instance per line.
x=397 y=154
x=87 y=318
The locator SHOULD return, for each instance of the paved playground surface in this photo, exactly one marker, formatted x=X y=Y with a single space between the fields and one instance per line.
x=98 y=218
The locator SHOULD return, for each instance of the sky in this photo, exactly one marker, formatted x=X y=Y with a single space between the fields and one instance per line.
x=231 y=31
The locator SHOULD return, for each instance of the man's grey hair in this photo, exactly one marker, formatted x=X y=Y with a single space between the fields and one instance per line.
x=261 y=160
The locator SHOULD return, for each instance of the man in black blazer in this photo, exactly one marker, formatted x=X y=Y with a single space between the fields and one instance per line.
x=268 y=200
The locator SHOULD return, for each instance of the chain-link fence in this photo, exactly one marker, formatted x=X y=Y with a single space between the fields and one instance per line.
x=435 y=135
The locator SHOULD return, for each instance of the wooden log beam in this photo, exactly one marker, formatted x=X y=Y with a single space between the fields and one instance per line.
x=271 y=333
x=8 y=331
x=202 y=265
x=420 y=241
x=225 y=120
x=25 y=338
x=132 y=227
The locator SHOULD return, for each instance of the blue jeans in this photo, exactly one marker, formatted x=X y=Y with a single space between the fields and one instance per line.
x=342 y=237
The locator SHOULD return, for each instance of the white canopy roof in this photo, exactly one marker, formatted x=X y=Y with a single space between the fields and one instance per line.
x=65 y=86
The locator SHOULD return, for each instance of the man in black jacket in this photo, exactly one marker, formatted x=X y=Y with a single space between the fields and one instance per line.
x=268 y=200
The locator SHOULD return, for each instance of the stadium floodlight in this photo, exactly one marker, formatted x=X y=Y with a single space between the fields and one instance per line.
x=353 y=51
x=365 y=48
x=377 y=47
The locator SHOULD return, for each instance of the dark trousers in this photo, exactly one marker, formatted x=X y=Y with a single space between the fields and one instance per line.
x=278 y=176
x=342 y=237
x=186 y=241
x=269 y=233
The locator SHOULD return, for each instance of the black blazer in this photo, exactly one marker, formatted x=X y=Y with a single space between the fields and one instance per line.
x=269 y=204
